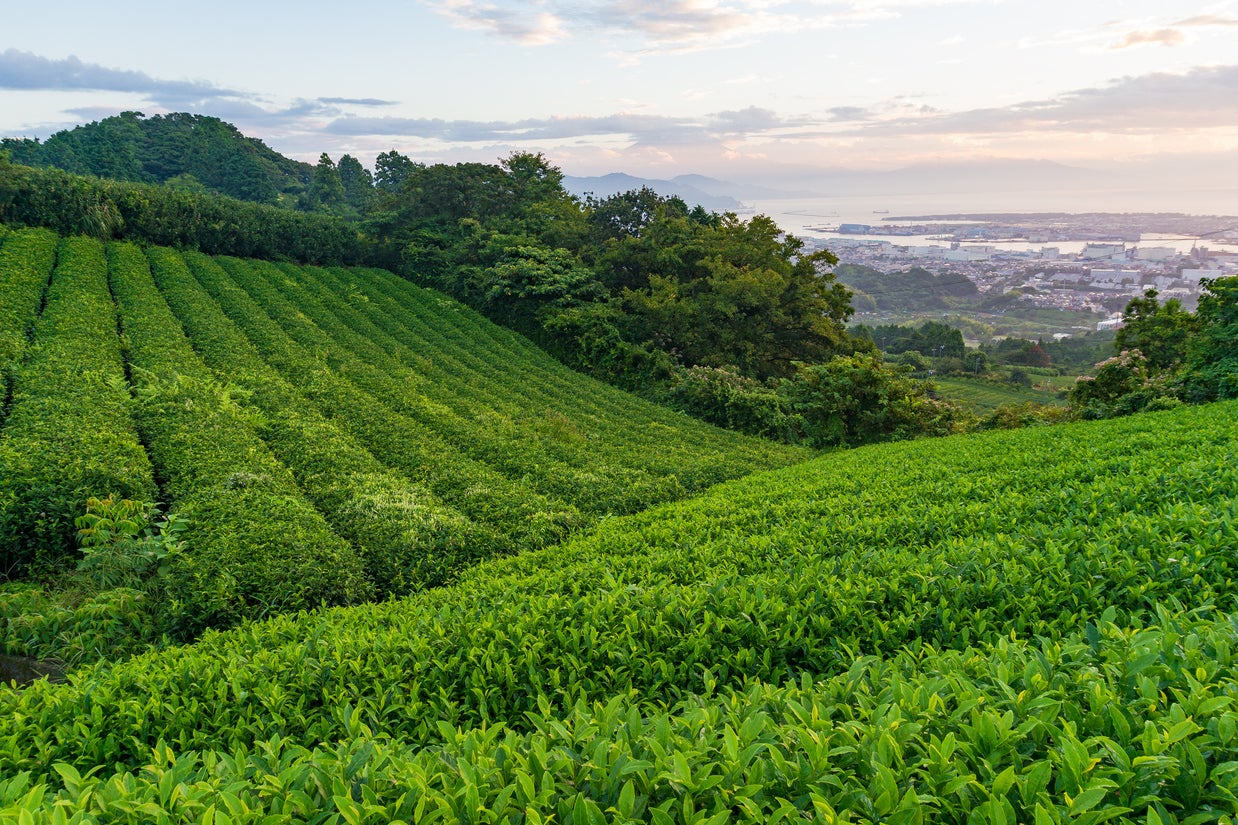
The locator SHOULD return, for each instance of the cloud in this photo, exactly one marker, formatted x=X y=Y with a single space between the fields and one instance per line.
x=1144 y=108
x=357 y=101
x=511 y=22
x=674 y=21
x=849 y=113
x=640 y=128
x=666 y=25
x=1203 y=98
x=1208 y=21
x=1161 y=37
x=27 y=71
x=1165 y=31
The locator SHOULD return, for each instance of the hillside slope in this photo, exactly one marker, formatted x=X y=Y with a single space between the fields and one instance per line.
x=1032 y=624
x=331 y=436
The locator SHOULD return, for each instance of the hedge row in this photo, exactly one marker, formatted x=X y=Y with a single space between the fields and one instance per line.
x=406 y=538
x=1111 y=725
x=69 y=434
x=521 y=517
x=945 y=543
x=107 y=209
x=256 y=546
x=26 y=261
x=447 y=333
x=563 y=462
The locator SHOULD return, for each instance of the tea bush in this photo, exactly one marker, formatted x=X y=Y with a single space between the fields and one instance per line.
x=947 y=544
x=70 y=433
x=256 y=546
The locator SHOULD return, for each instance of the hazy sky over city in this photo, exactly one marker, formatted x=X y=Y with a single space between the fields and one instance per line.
x=734 y=88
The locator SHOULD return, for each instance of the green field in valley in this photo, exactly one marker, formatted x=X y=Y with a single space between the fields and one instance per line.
x=982 y=396
x=1025 y=626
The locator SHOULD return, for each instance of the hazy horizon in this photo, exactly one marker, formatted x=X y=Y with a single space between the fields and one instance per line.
x=743 y=90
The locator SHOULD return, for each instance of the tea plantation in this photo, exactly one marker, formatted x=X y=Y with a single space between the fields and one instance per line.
x=433 y=576
x=1026 y=626
x=326 y=437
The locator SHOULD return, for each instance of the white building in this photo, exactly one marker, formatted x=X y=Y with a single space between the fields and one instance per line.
x=1101 y=251
x=1155 y=253
x=965 y=255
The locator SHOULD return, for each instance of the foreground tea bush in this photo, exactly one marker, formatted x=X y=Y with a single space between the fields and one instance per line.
x=1131 y=726
x=796 y=573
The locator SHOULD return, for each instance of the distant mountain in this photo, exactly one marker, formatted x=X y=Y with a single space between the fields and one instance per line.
x=980 y=176
x=711 y=193
x=193 y=151
x=742 y=191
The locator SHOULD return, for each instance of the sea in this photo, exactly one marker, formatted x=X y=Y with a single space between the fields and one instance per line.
x=814 y=218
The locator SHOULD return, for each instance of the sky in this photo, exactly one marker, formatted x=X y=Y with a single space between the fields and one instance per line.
x=745 y=90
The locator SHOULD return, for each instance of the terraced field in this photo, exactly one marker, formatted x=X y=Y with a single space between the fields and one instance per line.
x=1025 y=626
x=331 y=436
x=983 y=397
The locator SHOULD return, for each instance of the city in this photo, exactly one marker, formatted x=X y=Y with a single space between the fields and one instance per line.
x=1081 y=263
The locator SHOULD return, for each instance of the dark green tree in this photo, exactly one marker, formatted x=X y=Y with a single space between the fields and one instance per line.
x=391 y=169
x=357 y=182
x=743 y=295
x=1159 y=331
x=1212 y=351
x=326 y=190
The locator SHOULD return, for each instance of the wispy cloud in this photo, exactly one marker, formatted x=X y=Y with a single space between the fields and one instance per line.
x=638 y=128
x=1117 y=35
x=357 y=101
x=1150 y=104
x=514 y=21
x=1147 y=104
x=25 y=71
x=1159 y=37
x=666 y=25
x=1208 y=21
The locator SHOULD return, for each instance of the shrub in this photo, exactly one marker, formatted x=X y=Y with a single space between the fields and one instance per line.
x=857 y=399
x=126 y=542
x=722 y=396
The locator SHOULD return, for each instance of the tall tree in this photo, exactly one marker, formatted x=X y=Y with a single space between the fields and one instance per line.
x=357 y=181
x=1212 y=352
x=1159 y=331
x=326 y=191
x=391 y=169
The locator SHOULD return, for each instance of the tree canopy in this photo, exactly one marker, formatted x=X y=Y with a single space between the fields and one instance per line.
x=133 y=147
